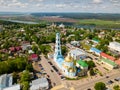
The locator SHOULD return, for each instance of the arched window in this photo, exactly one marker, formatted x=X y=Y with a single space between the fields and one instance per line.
x=58 y=53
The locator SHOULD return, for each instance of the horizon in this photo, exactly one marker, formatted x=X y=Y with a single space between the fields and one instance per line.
x=56 y=12
x=57 y=6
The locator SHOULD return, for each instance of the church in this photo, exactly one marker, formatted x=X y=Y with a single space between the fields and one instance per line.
x=67 y=65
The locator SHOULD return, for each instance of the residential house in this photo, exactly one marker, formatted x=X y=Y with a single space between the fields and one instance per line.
x=77 y=54
x=115 y=46
x=13 y=87
x=6 y=80
x=96 y=51
x=33 y=57
x=39 y=84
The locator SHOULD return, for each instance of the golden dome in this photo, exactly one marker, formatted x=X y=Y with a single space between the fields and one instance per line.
x=65 y=66
x=68 y=59
x=71 y=70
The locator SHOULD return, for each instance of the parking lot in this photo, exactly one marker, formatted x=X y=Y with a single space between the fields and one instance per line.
x=112 y=82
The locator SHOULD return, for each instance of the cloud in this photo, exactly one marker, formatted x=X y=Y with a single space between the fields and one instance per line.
x=14 y=1
x=61 y=5
x=115 y=1
x=97 y=1
x=116 y=4
x=17 y=4
x=36 y=0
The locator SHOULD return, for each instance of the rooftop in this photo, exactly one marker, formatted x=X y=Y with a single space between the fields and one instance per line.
x=115 y=43
x=41 y=82
x=77 y=52
x=94 y=39
x=109 y=62
x=34 y=56
x=82 y=63
x=5 y=81
x=107 y=56
x=96 y=50
x=118 y=62
x=14 y=87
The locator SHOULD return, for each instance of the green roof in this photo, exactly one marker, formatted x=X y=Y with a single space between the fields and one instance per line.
x=109 y=62
x=82 y=63
x=96 y=40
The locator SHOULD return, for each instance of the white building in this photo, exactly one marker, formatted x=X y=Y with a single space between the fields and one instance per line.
x=75 y=43
x=6 y=80
x=77 y=54
x=62 y=26
x=14 y=87
x=39 y=84
x=114 y=46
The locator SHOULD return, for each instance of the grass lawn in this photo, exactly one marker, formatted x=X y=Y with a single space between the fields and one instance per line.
x=98 y=22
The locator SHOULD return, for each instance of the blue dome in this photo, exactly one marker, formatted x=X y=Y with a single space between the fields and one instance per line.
x=60 y=61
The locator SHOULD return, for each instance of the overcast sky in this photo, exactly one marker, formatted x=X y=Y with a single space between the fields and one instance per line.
x=93 y=6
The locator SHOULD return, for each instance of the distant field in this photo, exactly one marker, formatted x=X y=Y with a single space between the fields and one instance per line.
x=58 y=19
x=110 y=24
x=98 y=22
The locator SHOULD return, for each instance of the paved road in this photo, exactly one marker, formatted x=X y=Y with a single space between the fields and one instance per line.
x=54 y=77
x=84 y=85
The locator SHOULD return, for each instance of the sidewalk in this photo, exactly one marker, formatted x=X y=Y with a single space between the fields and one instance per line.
x=61 y=87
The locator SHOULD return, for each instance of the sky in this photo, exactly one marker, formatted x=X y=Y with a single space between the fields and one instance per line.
x=90 y=6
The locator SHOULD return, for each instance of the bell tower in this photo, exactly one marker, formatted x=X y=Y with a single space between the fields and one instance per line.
x=58 y=53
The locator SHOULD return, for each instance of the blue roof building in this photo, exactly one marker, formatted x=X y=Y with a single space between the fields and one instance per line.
x=95 y=50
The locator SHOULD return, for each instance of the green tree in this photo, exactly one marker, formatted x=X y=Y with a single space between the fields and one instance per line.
x=25 y=85
x=91 y=64
x=64 y=50
x=25 y=76
x=15 y=77
x=100 y=86
x=35 y=48
x=29 y=67
x=116 y=87
x=92 y=72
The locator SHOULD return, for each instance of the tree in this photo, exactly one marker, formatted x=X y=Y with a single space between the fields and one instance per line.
x=25 y=85
x=15 y=77
x=116 y=87
x=25 y=76
x=29 y=67
x=100 y=86
x=91 y=64
x=64 y=50
x=35 y=48
x=92 y=72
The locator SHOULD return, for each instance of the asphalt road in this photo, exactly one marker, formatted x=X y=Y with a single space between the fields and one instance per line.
x=91 y=83
x=54 y=77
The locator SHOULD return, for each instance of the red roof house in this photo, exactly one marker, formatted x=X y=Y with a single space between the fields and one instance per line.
x=33 y=57
x=18 y=48
x=12 y=49
x=118 y=62
x=104 y=55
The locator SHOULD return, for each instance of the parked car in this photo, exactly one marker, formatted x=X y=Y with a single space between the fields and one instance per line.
x=110 y=82
x=117 y=79
x=51 y=70
x=62 y=77
x=107 y=76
